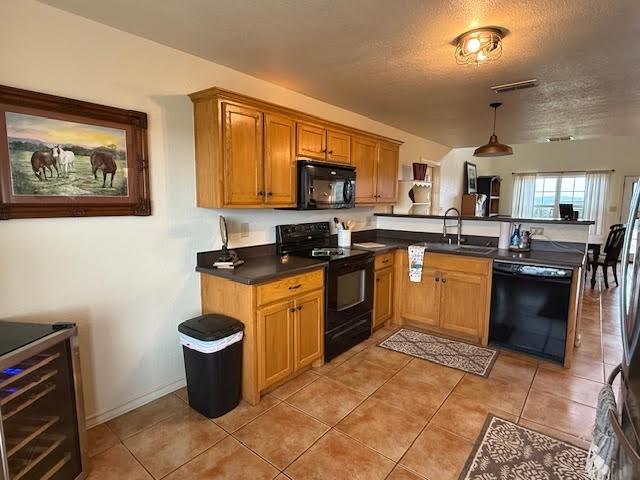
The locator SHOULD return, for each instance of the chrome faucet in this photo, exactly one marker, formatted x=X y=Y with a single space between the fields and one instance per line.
x=444 y=223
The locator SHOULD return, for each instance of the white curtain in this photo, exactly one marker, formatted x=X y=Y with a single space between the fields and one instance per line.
x=595 y=203
x=524 y=190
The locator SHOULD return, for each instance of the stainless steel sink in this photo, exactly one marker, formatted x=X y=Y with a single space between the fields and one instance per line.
x=476 y=249
x=452 y=247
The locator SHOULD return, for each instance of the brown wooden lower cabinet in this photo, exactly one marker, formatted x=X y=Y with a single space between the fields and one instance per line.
x=453 y=297
x=275 y=347
x=289 y=337
x=283 y=325
x=308 y=329
x=383 y=295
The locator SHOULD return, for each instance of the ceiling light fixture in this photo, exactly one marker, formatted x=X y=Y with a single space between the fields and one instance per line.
x=493 y=148
x=479 y=46
x=563 y=138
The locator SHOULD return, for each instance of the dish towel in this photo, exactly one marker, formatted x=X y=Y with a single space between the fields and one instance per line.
x=603 y=438
x=416 y=258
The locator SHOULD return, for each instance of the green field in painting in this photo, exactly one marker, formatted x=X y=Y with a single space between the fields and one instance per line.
x=79 y=183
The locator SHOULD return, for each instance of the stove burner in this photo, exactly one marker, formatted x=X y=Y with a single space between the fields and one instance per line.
x=326 y=252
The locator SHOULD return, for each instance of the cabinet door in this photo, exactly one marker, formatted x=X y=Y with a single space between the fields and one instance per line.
x=383 y=296
x=420 y=301
x=309 y=329
x=275 y=345
x=364 y=156
x=311 y=141
x=279 y=161
x=463 y=303
x=338 y=147
x=387 y=173
x=242 y=153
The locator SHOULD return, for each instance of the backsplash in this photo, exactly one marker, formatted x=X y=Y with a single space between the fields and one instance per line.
x=261 y=223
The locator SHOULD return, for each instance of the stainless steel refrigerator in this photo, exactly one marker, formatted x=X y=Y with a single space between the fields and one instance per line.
x=627 y=422
x=42 y=433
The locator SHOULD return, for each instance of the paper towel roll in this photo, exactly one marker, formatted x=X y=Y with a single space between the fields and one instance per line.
x=505 y=235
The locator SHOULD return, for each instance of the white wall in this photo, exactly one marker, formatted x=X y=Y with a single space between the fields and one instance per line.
x=621 y=154
x=129 y=281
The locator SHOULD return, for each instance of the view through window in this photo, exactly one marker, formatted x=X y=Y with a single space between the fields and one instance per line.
x=552 y=190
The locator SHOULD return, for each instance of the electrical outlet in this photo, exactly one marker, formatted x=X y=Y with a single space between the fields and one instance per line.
x=537 y=230
x=244 y=230
x=369 y=220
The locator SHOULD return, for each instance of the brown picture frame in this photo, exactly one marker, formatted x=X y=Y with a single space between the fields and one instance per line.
x=136 y=202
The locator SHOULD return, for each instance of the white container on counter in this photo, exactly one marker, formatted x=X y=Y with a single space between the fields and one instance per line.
x=505 y=235
x=344 y=238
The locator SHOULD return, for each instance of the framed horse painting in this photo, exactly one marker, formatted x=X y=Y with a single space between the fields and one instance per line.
x=68 y=158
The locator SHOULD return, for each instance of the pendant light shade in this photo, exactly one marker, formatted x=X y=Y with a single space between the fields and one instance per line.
x=493 y=148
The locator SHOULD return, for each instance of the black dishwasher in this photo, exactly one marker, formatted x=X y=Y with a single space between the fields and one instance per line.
x=530 y=308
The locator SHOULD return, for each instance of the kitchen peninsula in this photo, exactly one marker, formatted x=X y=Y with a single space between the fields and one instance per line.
x=453 y=299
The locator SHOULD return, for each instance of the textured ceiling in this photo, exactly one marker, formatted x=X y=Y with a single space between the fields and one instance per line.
x=393 y=61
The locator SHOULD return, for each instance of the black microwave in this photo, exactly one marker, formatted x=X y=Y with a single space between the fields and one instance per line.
x=323 y=185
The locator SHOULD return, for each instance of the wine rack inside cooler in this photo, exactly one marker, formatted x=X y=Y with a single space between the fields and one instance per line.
x=39 y=419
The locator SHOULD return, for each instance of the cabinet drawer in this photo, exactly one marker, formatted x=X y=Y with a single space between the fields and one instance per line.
x=384 y=260
x=457 y=263
x=289 y=286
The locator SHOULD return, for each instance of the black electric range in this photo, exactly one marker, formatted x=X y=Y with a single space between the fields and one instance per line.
x=349 y=283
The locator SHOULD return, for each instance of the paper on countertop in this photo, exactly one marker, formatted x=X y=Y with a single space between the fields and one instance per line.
x=369 y=245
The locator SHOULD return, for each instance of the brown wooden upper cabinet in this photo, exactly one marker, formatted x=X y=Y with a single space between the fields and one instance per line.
x=279 y=160
x=246 y=152
x=243 y=159
x=259 y=163
x=320 y=143
x=376 y=165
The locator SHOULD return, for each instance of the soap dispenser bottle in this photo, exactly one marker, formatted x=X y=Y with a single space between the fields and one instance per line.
x=515 y=237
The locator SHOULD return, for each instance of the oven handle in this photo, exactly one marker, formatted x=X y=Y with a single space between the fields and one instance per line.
x=359 y=265
x=615 y=423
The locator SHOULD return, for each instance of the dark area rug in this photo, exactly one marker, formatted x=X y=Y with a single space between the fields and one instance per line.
x=505 y=450
x=450 y=353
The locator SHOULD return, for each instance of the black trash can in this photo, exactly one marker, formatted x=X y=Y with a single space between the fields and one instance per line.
x=212 y=348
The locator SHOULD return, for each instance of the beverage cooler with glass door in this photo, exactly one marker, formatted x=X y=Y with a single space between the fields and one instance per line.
x=42 y=432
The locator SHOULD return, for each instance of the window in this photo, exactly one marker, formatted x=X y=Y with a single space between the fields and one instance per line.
x=552 y=190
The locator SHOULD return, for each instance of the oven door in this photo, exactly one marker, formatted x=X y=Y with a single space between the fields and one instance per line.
x=350 y=290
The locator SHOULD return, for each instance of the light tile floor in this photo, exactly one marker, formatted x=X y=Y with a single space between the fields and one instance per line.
x=369 y=414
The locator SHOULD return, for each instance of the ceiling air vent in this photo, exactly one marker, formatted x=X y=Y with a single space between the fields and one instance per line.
x=564 y=138
x=510 y=87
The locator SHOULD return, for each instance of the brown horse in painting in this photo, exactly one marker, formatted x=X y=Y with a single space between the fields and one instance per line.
x=105 y=161
x=40 y=161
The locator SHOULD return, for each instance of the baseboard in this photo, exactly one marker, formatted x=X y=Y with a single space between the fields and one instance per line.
x=98 y=418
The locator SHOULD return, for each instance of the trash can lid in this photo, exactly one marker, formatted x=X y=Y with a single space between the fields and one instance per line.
x=211 y=327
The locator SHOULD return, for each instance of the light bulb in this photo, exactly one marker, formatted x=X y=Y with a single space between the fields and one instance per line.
x=473 y=45
x=481 y=57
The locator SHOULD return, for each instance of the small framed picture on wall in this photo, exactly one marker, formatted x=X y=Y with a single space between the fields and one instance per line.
x=470 y=177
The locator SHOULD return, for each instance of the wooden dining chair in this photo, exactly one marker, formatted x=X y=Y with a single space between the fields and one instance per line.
x=611 y=252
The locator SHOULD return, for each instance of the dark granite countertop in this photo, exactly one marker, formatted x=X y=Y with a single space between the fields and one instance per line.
x=264 y=268
x=499 y=218
x=263 y=264
x=542 y=256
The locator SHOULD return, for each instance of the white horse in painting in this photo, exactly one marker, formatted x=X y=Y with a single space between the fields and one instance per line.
x=65 y=159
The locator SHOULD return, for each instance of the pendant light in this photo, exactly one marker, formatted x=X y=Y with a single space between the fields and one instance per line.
x=493 y=148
